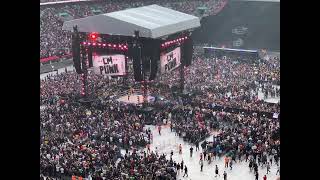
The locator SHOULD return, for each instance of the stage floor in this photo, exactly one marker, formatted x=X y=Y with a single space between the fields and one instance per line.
x=134 y=99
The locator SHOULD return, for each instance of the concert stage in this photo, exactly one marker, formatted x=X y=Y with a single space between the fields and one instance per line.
x=135 y=99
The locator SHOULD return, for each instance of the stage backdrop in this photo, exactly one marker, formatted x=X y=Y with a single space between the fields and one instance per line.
x=111 y=65
x=171 y=60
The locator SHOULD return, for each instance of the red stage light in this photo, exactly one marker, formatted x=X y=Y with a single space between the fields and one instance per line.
x=109 y=45
x=186 y=37
x=93 y=36
x=104 y=45
x=125 y=46
x=114 y=45
x=84 y=43
x=99 y=44
x=89 y=43
x=93 y=44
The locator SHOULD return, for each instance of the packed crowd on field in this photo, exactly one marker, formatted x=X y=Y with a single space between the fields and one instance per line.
x=56 y=42
x=231 y=83
x=86 y=140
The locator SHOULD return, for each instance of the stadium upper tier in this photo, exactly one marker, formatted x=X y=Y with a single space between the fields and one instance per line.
x=55 y=42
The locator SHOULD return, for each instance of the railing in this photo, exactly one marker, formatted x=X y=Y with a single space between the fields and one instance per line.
x=64 y=2
x=54 y=58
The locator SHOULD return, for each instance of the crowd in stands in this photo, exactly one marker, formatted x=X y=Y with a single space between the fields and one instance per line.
x=56 y=42
x=86 y=140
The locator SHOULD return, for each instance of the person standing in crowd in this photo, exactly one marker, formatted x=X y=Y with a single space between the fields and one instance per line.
x=197 y=145
x=250 y=165
x=191 y=151
x=257 y=176
x=209 y=158
x=217 y=171
x=230 y=164
x=201 y=166
x=180 y=149
x=178 y=168
x=224 y=175
x=148 y=148
x=226 y=162
x=265 y=177
x=204 y=155
x=268 y=168
x=278 y=170
x=271 y=159
x=200 y=156
x=182 y=163
x=159 y=129
x=185 y=171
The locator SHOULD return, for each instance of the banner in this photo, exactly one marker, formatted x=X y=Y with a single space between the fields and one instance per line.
x=111 y=65
x=171 y=60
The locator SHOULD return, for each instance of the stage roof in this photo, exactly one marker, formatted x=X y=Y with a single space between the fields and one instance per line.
x=152 y=21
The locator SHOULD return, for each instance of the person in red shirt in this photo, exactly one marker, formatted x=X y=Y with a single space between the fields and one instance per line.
x=226 y=162
x=264 y=177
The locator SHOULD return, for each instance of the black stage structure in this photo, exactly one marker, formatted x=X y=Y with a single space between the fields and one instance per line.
x=140 y=34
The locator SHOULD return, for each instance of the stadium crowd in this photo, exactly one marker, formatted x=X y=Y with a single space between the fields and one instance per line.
x=56 y=42
x=86 y=140
x=231 y=83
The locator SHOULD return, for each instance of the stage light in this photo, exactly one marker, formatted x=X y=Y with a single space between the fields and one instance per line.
x=99 y=44
x=93 y=36
x=186 y=37
x=84 y=43
x=125 y=46
x=114 y=45
x=109 y=45
x=104 y=45
x=93 y=44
